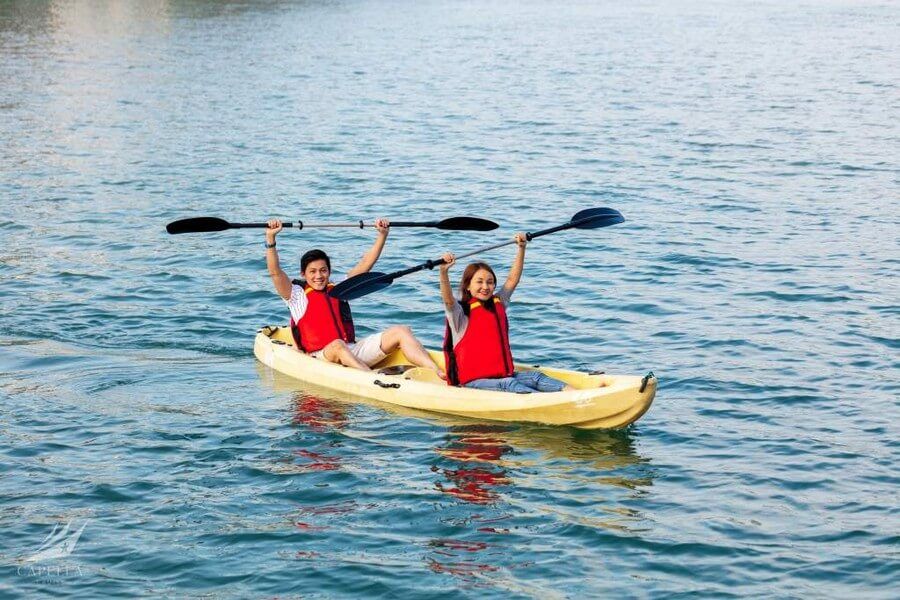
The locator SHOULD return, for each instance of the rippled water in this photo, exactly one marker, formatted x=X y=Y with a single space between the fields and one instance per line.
x=753 y=150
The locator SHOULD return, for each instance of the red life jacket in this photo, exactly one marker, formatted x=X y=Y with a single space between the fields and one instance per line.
x=325 y=320
x=483 y=351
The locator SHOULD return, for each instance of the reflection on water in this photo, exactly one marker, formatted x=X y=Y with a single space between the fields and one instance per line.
x=318 y=414
x=478 y=460
x=495 y=476
x=485 y=466
x=471 y=482
x=459 y=558
x=470 y=457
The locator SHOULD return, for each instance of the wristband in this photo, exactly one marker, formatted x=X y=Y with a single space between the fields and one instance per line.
x=272 y=245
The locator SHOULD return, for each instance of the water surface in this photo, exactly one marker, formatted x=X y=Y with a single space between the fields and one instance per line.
x=753 y=150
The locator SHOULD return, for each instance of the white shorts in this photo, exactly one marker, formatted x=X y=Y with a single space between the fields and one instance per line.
x=367 y=350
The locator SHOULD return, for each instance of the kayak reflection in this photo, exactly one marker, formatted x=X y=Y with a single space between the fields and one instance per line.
x=494 y=472
x=487 y=458
x=494 y=478
x=602 y=456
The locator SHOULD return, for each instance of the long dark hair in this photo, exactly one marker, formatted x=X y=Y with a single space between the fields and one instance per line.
x=468 y=274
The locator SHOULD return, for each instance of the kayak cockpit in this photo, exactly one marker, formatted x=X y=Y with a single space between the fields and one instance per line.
x=396 y=363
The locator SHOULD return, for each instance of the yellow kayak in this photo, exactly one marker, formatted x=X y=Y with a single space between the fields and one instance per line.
x=599 y=401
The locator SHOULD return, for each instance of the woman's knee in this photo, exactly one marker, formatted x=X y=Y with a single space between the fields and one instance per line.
x=517 y=387
x=529 y=378
x=546 y=383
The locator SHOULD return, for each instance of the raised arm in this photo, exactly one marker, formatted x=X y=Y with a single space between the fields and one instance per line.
x=446 y=290
x=369 y=259
x=515 y=272
x=279 y=277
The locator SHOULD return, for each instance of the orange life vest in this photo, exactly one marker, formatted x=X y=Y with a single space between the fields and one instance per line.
x=483 y=351
x=325 y=320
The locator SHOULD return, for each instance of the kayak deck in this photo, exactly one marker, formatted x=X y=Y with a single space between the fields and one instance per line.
x=599 y=401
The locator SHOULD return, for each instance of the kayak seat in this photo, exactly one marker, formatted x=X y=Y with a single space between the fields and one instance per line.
x=422 y=374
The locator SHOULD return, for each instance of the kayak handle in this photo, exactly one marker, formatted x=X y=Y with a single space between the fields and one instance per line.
x=386 y=385
x=644 y=381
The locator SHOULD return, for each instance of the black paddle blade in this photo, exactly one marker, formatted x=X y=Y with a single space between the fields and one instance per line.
x=361 y=285
x=467 y=224
x=198 y=225
x=595 y=218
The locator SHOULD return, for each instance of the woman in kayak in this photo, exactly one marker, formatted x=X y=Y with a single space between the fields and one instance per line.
x=476 y=343
x=322 y=326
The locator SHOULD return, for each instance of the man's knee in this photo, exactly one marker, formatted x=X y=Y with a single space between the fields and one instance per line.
x=403 y=330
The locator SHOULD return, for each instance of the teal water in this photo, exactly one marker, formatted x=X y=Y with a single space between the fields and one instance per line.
x=752 y=148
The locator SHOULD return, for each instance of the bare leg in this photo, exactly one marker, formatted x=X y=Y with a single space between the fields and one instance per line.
x=338 y=352
x=401 y=336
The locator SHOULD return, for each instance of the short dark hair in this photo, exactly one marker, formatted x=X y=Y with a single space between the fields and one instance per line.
x=310 y=256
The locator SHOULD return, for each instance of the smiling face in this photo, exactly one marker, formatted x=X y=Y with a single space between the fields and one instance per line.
x=482 y=285
x=316 y=274
x=478 y=282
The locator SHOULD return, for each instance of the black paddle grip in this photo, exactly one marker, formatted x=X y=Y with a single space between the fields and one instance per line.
x=414 y=224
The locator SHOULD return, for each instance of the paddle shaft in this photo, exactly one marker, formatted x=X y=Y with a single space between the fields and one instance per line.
x=357 y=225
x=430 y=264
x=366 y=283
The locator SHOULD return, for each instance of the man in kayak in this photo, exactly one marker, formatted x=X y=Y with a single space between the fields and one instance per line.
x=323 y=326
